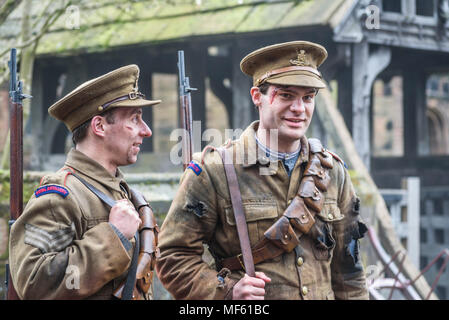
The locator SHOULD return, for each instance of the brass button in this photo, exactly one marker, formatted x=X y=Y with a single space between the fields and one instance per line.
x=330 y=216
x=300 y=261
x=305 y=290
x=289 y=201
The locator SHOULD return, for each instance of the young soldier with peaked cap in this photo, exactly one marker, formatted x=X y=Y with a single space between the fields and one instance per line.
x=301 y=211
x=68 y=244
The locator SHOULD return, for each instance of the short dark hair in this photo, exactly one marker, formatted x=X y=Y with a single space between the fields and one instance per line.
x=263 y=88
x=80 y=133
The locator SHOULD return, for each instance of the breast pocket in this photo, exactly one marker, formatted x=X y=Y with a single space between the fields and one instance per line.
x=322 y=235
x=259 y=214
x=330 y=212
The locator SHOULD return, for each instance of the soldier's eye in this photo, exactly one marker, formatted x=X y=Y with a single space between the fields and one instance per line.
x=286 y=95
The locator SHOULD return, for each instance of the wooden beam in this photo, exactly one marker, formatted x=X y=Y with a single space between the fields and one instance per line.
x=367 y=65
x=243 y=110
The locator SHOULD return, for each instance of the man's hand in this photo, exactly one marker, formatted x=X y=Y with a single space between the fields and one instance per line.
x=250 y=288
x=125 y=218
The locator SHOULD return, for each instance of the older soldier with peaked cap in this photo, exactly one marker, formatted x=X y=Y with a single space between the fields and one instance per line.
x=301 y=211
x=68 y=244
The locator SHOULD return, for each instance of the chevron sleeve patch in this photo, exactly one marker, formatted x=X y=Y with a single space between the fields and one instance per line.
x=45 y=241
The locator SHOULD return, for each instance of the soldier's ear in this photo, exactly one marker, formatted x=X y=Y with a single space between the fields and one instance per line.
x=256 y=96
x=97 y=126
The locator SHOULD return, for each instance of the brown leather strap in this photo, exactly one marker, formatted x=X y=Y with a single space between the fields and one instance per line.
x=239 y=214
x=264 y=251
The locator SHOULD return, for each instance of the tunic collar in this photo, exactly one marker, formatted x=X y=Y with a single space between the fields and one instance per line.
x=93 y=170
x=252 y=153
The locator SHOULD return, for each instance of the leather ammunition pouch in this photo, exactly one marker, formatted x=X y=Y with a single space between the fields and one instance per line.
x=299 y=217
x=148 y=252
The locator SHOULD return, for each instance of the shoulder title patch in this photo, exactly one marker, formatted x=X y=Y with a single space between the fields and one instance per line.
x=51 y=188
x=195 y=167
x=338 y=159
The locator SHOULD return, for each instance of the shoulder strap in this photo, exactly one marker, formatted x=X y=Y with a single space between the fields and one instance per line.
x=106 y=199
x=239 y=214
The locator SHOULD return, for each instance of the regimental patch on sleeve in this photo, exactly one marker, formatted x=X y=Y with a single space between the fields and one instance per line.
x=195 y=167
x=51 y=188
x=45 y=241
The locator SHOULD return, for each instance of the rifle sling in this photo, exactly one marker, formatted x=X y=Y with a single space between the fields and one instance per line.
x=239 y=214
x=131 y=277
x=106 y=199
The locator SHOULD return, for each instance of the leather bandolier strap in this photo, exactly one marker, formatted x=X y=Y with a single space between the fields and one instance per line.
x=239 y=213
x=299 y=217
x=148 y=252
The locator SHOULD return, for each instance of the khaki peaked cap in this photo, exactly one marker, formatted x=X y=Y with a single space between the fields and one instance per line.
x=292 y=63
x=118 y=88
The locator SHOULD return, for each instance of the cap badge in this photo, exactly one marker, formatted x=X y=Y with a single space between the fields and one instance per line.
x=301 y=60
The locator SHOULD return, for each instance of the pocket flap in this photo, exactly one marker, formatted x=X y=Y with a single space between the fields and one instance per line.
x=254 y=211
x=330 y=212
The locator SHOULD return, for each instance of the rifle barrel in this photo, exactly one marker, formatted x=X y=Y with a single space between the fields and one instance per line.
x=16 y=153
x=16 y=141
x=185 y=111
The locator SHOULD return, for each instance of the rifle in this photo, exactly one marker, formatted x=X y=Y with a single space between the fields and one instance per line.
x=16 y=155
x=185 y=111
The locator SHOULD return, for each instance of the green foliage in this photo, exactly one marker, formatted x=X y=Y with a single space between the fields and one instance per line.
x=30 y=183
x=363 y=189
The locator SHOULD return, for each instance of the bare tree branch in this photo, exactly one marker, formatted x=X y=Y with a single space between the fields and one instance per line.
x=28 y=46
x=7 y=7
x=51 y=18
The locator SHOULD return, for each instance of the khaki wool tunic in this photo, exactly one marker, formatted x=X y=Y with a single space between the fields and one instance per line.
x=64 y=247
x=325 y=265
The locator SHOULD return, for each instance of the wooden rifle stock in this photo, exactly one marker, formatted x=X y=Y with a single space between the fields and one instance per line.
x=16 y=154
x=185 y=111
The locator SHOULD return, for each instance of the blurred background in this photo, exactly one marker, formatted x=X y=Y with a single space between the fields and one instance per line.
x=385 y=111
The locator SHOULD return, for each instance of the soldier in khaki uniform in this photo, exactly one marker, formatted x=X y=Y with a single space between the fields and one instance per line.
x=68 y=244
x=293 y=191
